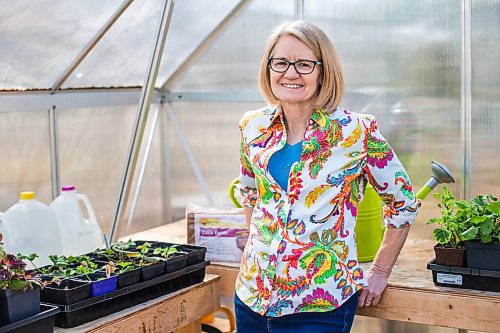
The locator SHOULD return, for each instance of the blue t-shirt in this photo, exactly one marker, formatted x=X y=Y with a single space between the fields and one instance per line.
x=281 y=163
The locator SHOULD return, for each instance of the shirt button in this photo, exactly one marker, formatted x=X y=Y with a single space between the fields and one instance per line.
x=311 y=121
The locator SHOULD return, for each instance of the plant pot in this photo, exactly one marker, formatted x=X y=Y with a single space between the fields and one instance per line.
x=482 y=256
x=67 y=292
x=153 y=270
x=128 y=278
x=449 y=256
x=196 y=254
x=175 y=262
x=17 y=305
x=100 y=284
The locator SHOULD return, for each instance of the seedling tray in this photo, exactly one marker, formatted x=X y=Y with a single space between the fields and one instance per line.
x=196 y=254
x=42 y=322
x=93 y=308
x=466 y=278
x=76 y=291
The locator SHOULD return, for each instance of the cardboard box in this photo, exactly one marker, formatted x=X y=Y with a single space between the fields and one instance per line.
x=222 y=231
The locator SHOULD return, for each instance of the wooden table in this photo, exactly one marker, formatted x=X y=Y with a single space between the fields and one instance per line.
x=411 y=296
x=180 y=312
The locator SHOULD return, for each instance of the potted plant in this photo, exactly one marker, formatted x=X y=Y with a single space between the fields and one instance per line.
x=64 y=291
x=151 y=267
x=452 y=230
x=482 y=248
x=101 y=282
x=174 y=259
x=19 y=289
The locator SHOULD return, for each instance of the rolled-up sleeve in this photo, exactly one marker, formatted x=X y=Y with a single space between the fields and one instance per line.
x=388 y=177
x=246 y=185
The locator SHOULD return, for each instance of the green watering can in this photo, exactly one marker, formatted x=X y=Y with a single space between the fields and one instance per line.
x=370 y=224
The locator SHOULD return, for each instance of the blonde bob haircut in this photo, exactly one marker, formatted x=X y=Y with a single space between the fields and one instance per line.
x=331 y=79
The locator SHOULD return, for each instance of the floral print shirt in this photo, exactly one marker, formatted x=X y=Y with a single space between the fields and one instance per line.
x=301 y=252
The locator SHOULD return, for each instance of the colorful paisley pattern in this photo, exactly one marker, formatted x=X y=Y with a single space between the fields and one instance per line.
x=302 y=254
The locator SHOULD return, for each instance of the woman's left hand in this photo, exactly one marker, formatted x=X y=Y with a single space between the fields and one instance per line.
x=377 y=283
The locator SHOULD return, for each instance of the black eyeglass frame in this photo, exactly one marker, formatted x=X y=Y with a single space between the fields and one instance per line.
x=292 y=63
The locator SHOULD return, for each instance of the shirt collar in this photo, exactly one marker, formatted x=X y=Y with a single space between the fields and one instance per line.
x=319 y=117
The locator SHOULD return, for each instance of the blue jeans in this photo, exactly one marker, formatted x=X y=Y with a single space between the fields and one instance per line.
x=336 y=321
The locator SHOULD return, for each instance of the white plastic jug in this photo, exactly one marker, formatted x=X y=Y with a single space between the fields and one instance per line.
x=34 y=228
x=79 y=235
x=7 y=238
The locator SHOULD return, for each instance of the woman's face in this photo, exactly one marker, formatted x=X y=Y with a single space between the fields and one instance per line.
x=290 y=87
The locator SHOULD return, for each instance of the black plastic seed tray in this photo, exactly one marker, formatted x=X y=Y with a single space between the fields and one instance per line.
x=175 y=262
x=196 y=254
x=466 y=278
x=67 y=292
x=42 y=322
x=93 y=308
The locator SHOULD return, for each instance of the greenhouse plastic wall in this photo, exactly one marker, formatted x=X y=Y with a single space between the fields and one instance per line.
x=402 y=63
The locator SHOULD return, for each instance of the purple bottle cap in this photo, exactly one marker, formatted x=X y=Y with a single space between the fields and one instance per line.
x=68 y=188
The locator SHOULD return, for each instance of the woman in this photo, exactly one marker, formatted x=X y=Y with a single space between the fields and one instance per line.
x=304 y=165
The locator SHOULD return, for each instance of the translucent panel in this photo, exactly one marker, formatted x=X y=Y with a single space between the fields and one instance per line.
x=485 y=145
x=121 y=57
x=402 y=64
x=25 y=157
x=232 y=62
x=183 y=39
x=39 y=39
x=211 y=130
x=93 y=144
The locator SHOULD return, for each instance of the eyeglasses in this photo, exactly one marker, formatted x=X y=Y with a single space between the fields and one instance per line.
x=280 y=65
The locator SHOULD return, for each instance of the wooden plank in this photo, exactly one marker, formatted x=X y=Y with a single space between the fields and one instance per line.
x=228 y=277
x=437 y=309
x=194 y=327
x=164 y=314
x=410 y=297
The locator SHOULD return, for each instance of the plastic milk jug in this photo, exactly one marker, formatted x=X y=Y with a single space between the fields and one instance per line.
x=34 y=228
x=7 y=238
x=79 y=235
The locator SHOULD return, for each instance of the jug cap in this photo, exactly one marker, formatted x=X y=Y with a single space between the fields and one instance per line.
x=27 y=195
x=68 y=188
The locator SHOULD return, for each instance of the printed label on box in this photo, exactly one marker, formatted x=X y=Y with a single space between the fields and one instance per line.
x=223 y=235
x=449 y=278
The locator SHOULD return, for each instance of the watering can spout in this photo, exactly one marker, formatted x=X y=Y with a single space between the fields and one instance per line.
x=440 y=174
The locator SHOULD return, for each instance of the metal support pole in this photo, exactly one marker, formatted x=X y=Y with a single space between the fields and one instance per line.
x=466 y=99
x=142 y=116
x=299 y=9
x=189 y=154
x=91 y=44
x=54 y=154
x=165 y=170
x=143 y=170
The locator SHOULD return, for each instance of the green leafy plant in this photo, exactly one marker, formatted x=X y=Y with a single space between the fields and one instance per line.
x=165 y=252
x=452 y=222
x=13 y=272
x=143 y=250
x=463 y=220
x=483 y=214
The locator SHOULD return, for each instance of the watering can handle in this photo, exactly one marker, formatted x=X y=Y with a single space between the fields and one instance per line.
x=424 y=191
x=231 y=192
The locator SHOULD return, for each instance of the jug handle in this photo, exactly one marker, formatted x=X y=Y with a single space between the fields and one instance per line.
x=87 y=204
